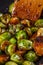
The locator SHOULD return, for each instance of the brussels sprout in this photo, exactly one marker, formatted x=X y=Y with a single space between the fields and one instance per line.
x=12 y=40
x=31 y=56
x=11 y=49
x=11 y=29
x=39 y=23
x=28 y=63
x=34 y=29
x=5 y=18
x=25 y=44
x=5 y=36
x=21 y=35
x=16 y=58
x=4 y=45
x=40 y=32
x=11 y=7
x=3 y=30
x=19 y=27
x=4 y=58
x=28 y=30
x=25 y=22
x=2 y=25
x=11 y=63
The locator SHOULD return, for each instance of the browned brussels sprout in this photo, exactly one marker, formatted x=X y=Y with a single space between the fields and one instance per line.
x=4 y=58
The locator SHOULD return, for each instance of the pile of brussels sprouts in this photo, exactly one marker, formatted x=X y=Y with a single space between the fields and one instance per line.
x=16 y=45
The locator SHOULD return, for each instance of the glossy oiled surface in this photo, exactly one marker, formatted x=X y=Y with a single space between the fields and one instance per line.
x=4 y=4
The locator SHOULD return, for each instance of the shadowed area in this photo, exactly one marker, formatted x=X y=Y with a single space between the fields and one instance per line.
x=4 y=4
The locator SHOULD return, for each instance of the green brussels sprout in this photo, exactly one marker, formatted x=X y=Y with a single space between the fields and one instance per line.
x=5 y=36
x=11 y=7
x=31 y=56
x=21 y=35
x=39 y=23
x=28 y=63
x=5 y=18
x=11 y=63
x=18 y=27
x=2 y=25
x=11 y=29
x=25 y=44
x=11 y=49
x=34 y=29
x=17 y=58
x=28 y=30
x=12 y=40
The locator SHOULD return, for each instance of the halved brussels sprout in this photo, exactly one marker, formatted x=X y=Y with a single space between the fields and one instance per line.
x=19 y=27
x=11 y=63
x=28 y=30
x=4 y=58
x=25 y=44
x=40 y=32
x=34 y=29
x=25 y=22
x=12 y=40
x=3 y=30
x=4 y=45
x=28 y=63
x=39 y=23
x=11 y=29
x=5 y=36
x=16 y=58
x=31 y=56
x=11 y=49
x=2 y=25
x=21 y=35
x=5 y=18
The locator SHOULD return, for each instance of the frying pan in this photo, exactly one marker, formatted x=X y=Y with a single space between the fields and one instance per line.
x=4 y=4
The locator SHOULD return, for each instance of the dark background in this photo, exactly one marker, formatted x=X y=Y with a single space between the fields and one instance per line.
x=4 y=4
